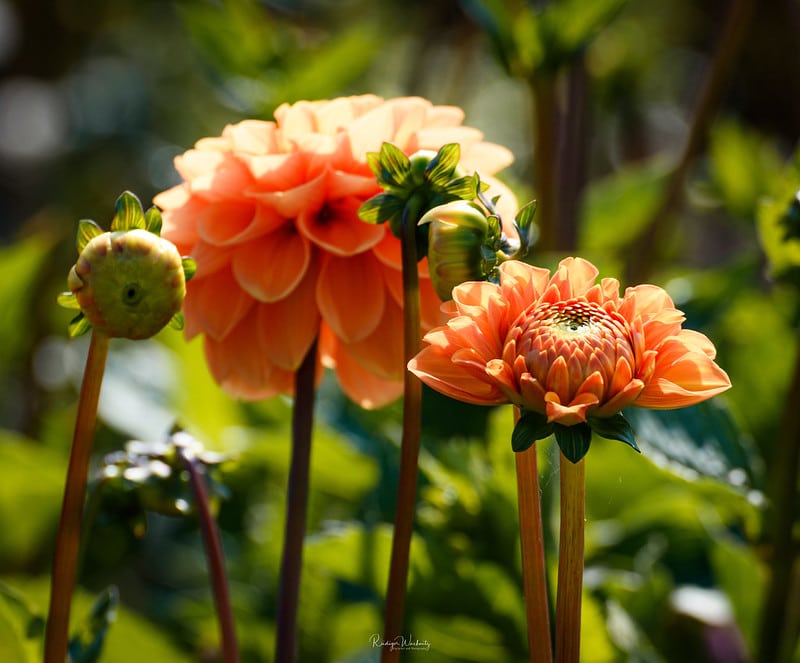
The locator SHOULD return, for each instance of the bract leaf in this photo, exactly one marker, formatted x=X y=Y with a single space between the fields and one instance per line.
x=87 y=231
x=68 y=300
x=394 y=166
x=531 y=426
x=573 y=441
x=380 y=208
x=189 y=267
x=177 y=321
x=152 y=220
x=128 y=214
x=441 y=168
x=79 y=325
x=615 y=428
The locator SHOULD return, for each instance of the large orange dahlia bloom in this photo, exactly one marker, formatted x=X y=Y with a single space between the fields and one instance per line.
x=268 y=210
x=567 y=347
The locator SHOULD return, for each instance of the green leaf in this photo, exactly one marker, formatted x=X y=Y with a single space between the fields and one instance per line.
x=79 y=325
x=128 y=214
x=380 y=208
x=463 y=188
x=531 y=426
x=701 y=439
x=178 y=321
x=441 y=168
x=68 y=300
x=86 y=646
x=87 y=231
x=394 y=166
x=573 y=441
x=189 y=267
x=152 y=220
x=614 y=428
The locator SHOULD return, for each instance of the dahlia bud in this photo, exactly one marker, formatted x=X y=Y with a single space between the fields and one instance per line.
x=129 y=282
x=461 y=241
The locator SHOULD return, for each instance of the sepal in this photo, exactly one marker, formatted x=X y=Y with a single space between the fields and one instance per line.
x=573 y=440
x=530 y=427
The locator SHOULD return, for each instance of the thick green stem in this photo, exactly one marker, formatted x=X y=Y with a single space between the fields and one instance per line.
x=409 y=447
x=216 y=560
x=777 y=637
x=296 y=508
x=570 y=562
x=534 y=574
x=69 y=531
x=643 y=252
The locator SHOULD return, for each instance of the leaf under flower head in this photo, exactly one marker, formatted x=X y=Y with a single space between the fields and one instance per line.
x=128 y=214
x=87 y=231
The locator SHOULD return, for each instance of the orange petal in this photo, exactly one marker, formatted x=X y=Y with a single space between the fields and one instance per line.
x=692 y=378
x=277 y=172
x=436 y=370
x=270 y=267
x=180 y=223
x=569 y=415
x=215 y=305
x=645 y=301
x=557 y=380
x=362 y=386
x=252 y=136
x=240 y=368
x=336 y=227
x=381 y=353
x=351 y=295
x=209 y=258
x=288 y=327
x=233 y=221
x=487 y=158
x=228 y=179
x=573 y=277
x=290 y=203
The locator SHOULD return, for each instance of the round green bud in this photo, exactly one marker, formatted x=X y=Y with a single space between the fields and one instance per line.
x=128 y=284
x=458 y=239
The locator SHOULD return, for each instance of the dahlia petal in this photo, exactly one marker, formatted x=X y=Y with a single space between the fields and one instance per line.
x=431 y=314
x=240 y=368
x=557 y=380
x=443 y=116
x=209 y=258
x=367 y=133
x=362 y=387
x=594 y=385
x=197 y=163
x=251 y=136
x=502 y=375
x=381 y=353
x=645 y=301
x=697 y=341
x=291 y=202
x=351 y=295
x=573 y=277
x=659 y=328
x=336 y=228
x=277 y=172
x=621 y=377
x=532 y=392
x=176 y=196
x=232 y=222
x=568 y=415
x=389 y=252
x=522 y=285
x=622 y=399
x=691 y=379
x=215 y=305
x=179 y=224
x=296 y=119
x=435 y=137
x=488 y=158
x=436 y=369
x=228 y=179
x=270 y=267
x=288 y=327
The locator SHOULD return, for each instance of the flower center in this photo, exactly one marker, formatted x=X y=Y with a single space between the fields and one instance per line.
x=564 y=343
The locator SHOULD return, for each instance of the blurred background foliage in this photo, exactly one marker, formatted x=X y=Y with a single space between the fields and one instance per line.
x=601 y=103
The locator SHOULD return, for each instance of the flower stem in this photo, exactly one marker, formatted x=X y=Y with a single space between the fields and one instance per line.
x=296 y=508
x=534 y=576
x=65 y=560
x=216 y=561
x=409 y=446
x=570 y=562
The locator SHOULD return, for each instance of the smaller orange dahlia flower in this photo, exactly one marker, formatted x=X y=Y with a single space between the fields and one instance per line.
x=569 y=352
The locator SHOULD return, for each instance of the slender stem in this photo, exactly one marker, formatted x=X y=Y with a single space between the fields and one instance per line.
x=546 y=137
x=777 y=642
x=216 y=560
x=296 y=508
x=534 y=574
x=570 y=562
x=642 y=253
x=69 y=530
x=409 y=447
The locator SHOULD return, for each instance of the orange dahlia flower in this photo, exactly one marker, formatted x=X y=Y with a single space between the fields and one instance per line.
x=269 y=212
x=567 y=347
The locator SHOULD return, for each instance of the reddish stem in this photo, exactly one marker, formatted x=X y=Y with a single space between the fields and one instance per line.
x=570 y=562
x=65 y=561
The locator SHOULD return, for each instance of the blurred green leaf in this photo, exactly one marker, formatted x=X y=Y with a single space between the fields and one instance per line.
x=744 y=166
x=86 y=646
x=617 y=207
x=782 y=252
x=702 y=440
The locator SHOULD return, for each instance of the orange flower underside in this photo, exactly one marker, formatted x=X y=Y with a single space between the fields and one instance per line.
x=566 y=346
x=268 y=212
